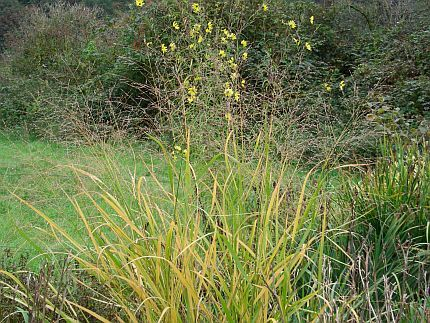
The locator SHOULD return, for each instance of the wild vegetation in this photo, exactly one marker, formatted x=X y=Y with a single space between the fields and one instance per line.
x=242 y=161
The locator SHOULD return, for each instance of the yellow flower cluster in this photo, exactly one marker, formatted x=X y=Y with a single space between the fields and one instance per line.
x=229 y=92
x=195 y=30
x=328 y=86
x=232 y=64
x=222 y=49
x=178 y=150
x=192 y=94
x=229 y=35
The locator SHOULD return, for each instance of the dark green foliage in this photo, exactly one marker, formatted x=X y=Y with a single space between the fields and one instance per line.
x=10 y=13
x=107 y=76
x=389 y=237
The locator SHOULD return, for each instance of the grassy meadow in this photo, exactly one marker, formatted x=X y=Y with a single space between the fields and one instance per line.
x=202 y=161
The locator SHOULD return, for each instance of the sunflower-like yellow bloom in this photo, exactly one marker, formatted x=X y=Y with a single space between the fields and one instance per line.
x=327 y=87
x=292 y=24
x=139 y=3
x=236 y=96
x=196 y=8
x=228 y=92
x=265 y=7
x=209 y=28
x=163 y=48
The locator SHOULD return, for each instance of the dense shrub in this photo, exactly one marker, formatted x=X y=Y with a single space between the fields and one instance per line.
x=10 y=12
x=314 y=79
x=54 y=72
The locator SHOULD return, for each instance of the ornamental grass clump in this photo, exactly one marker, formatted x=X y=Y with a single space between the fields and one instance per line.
x=224 y=240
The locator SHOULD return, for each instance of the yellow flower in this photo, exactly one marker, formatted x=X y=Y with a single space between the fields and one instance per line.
x=172 y=47
x=163 y=48
x=192 y=91
x=311 y=19
x=175 y=25
x=196 y=7
x=244 y=43
x=197 y=28
x=200 y=40
x=228 y=116
x=292 y=24
x=139 y=3
x=233 y=75
x=341 y=85
x=185 y=152
x=327 y=87
x=209 y=27
x=243 y=83
x=308 y=46
x=192 y=46
x=223 y=40
x=233 y=65
x=192 y=94
x=222 y=53
x=297 y=41
x=237 y=96
x=228 y=92
x=265 y=7
x=178 y=148
x=245 y=56
x=233 y=36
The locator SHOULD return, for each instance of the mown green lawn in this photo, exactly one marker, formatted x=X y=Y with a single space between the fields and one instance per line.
x=42 y=174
